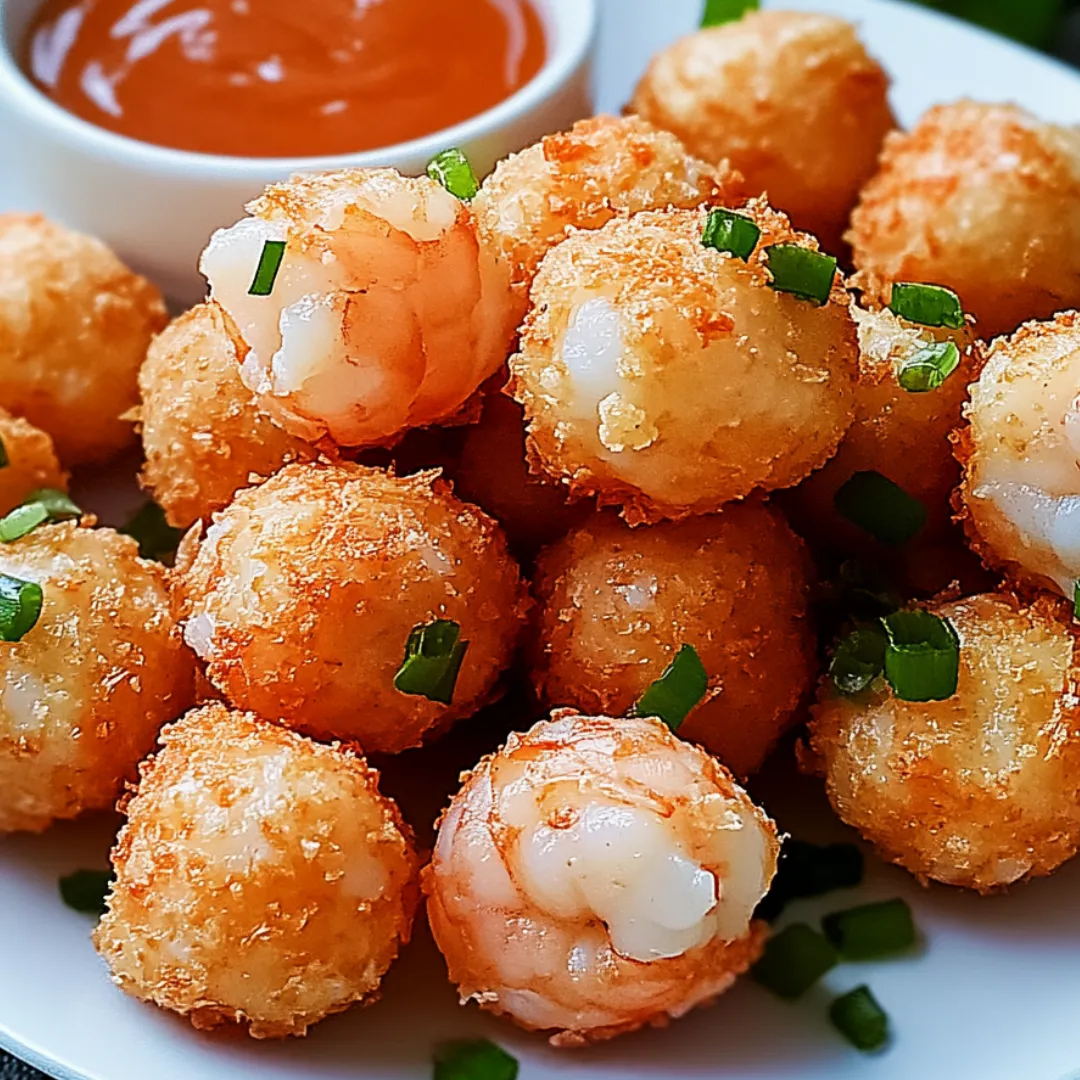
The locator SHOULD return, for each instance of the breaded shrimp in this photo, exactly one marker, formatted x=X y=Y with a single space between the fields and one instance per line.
x=30 y=462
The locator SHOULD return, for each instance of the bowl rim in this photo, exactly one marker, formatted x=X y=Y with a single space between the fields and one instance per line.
x=572 y=25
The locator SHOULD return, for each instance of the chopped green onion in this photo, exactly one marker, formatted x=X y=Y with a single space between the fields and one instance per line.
x=59 y=504
x=267 y=271
x=1076 y=599
x=793 y=961
x=4 y=460
x=682 y=686
x=724 y=11
x=859 y=659
x=927 y=305
x=808 y=870
x=85 y=890
x=871 y=931
x=880 y=507
x=156 y=538
x=731 y=233
x=475 y=1059
x=433 y=656
x=928 y=368
x=453 y=170
x=45 y=504
x=860 y=1019
x=20 y=607
x=802 y=272
x=922 y=660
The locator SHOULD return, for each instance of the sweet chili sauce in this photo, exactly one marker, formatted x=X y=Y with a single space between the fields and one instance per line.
x=267 y=78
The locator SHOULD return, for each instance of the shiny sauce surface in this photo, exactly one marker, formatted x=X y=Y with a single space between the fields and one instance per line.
x=268 y=78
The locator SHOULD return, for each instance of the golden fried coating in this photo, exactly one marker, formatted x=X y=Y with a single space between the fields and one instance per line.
x=303 y=593
x=584 y=177
x=261 y=879
x=616 y=604
x=203 y=434
x=75 y=324
x=791 y=98
x=84 y=693
x=983 y=789
x=984 y=199
x=670 y=378
x=31 y=462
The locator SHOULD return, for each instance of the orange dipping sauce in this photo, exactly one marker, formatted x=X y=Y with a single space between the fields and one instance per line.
x=282 y=78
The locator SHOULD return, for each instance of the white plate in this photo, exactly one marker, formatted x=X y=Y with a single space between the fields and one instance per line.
x=995 y=995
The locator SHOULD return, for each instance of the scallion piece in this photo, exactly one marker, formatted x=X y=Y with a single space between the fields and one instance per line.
x=682 y=686
x=860 y=1019
x=475 y=1059
x=731 y=233
x=267 y=271
x=859 y=659
x=871 y=931
x=1076 y=599
x=4 y=460
x=433 y=656
x=20 y=607
x=156 y=538
x=880 y=507
x=453 y=170
x=922 y=659
x=927 y=305
x=807 y=870
x=85 y=890
x=59 y=504
x=45 y=504
x=928 y=368
x=804 y=273
x=724 y=11
x=794 y=960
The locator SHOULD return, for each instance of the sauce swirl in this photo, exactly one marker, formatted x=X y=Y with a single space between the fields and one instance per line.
x=269 y=78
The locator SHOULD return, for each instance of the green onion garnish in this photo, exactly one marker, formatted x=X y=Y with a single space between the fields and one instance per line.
x=800 y=271
x=433 y=656
x=1076 y=599
x=45 y=504
x=928 y=368
x=267 y=271
x=682 y=686
x=20 y=607
x=871 y=931
x=85 y=890
x=859 y=659
x=4 y=460
x=476 y=1059
x=731 y=233
x=927 y=305
x=808 y=870
x=156 y=538
x=723 y=11
x=880 y=507
x=794 y=960
x=860 y=1019
x=452 y=169
x=922 y=660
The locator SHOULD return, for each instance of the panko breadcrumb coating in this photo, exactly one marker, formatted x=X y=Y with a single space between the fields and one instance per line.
x=981 y=790
x=670 y=378
x=303 y=593
x=615 y=605
x=31 y=462
x=75 y=324
x=584 y=177
x=984 y=199
x=84 y=693
x=261 y=879
x=791 y=98
x=203 y=435
x=595 y=876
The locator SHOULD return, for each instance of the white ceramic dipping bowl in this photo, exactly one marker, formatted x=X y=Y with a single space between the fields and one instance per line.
x=157 y=207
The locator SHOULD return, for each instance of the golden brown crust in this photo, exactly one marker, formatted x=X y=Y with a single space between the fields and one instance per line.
x=31 y=462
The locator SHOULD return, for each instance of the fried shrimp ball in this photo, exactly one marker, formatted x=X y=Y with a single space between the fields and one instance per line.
x=1020 y=499
x=27 y=462
x=584 y=177
x=85 y=691
x=303 y=595
x=598 y=875
x=203 y=435
x=261 y=879
x=615 y=606
x=983 y=789
x=791 y=98
x=387 y=312
x=75 y=324
x=984 y=199
x=670 y=378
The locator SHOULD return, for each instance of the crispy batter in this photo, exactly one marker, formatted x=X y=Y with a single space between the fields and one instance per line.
x=31 y=463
